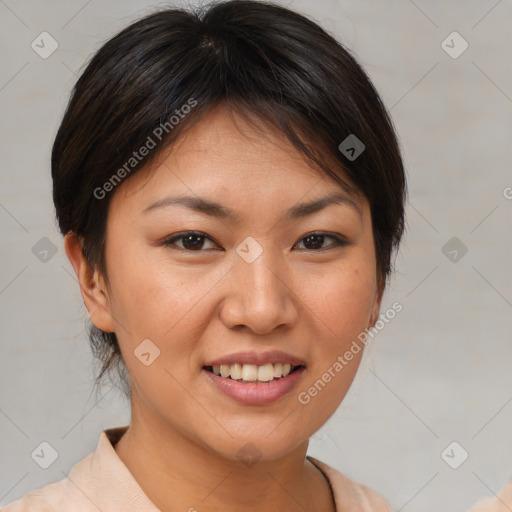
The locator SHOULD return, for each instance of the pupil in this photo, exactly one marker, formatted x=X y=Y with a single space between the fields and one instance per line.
x=187 y=239
x=317 y=237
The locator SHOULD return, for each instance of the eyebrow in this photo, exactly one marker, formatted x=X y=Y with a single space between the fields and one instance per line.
x=214 y=209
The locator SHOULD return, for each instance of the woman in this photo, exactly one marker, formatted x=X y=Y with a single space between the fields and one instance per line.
x=231 y=191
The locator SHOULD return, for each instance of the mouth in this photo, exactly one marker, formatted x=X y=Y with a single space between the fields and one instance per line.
x=242 y=372
x=255 y=385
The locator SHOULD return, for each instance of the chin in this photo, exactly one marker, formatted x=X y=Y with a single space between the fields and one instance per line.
x=258 y=444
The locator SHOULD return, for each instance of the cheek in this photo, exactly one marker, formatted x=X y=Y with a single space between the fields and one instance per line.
x=158 y=300
x=342 y=305
x=341 y=309
x=342 y=299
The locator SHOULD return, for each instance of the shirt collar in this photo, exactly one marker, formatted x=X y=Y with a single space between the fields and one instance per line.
x=105 y=480
x=129 y=496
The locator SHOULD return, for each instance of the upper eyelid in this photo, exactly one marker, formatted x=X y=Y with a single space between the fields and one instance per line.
x=188 y=233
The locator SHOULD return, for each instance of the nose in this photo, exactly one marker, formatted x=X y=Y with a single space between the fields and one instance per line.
x=260 y=296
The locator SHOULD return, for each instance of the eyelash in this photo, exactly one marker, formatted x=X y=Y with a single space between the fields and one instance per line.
x=338 y=241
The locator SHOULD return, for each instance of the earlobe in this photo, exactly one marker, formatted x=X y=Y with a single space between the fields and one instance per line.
x=92 y=285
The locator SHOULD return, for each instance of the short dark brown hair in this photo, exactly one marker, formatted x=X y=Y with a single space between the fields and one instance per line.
x=258 y=58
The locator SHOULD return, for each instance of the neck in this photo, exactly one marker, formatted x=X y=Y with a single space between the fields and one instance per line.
x=178 y=474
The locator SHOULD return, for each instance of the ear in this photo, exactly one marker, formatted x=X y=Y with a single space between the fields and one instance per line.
x=92 y=285
x=379 y=292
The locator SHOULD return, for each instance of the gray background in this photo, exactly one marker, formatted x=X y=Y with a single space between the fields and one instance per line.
x=439 y=372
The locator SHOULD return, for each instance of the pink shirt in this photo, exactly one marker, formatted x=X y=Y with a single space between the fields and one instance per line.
x=101 y=481
x=501 y=502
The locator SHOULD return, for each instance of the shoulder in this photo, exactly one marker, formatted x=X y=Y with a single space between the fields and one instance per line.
x=61 y=495
x=371 y=500
x=502 y=502
x=100 y=481
x=351 y=496
x=43 y=499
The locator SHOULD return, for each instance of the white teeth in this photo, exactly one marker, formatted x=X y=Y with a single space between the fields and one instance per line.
x=249 y=372
x=252 y=372
x=236 y=371
x=265 y=372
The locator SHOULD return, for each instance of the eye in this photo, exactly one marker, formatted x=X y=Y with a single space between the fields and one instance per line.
x=314 y=241
x=192 y=241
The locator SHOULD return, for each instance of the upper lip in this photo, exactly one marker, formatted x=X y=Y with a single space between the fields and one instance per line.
x=257 y=358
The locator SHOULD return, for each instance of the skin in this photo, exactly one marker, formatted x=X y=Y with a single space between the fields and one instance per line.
x=304 y=299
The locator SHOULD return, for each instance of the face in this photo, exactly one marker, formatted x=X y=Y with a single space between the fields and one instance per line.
x=244 y=287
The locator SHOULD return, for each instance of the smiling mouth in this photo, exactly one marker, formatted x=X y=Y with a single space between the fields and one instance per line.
x=253 y=373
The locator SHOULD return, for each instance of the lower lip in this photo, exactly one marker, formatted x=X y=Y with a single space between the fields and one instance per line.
x=256 y=393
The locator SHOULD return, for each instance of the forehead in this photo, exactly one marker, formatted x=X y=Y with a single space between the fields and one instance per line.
x=231 y=158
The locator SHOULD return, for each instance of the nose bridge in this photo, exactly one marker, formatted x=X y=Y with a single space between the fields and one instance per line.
x=261 y=298
x=260 y=267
